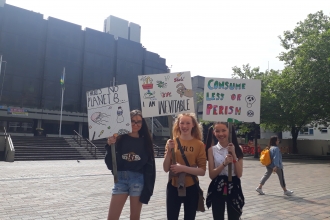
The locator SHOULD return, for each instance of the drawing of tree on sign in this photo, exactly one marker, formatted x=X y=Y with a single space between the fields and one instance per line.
x=99 y=118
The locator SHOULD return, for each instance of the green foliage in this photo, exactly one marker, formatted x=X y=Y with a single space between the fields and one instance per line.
x=200 y=97
x=307 y=59
x=300 y=94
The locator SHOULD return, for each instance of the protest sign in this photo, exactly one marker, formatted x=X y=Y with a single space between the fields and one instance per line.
x=231 y=100
x=166 y=94
x=108 y=112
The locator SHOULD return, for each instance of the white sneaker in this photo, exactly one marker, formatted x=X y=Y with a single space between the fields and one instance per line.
x=288 y=192
x=260 y=191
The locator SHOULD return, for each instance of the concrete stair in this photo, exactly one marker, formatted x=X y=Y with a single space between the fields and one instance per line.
x=44 y=148
x=100 y=145
x=83 y=149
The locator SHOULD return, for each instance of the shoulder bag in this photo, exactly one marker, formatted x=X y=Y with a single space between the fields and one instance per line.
x=201 y=199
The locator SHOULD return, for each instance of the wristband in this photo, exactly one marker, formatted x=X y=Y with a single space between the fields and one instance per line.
x=223 y=163
x=234 y=161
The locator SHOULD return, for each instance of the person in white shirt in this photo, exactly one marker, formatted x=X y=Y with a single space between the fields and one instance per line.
x=220 y=190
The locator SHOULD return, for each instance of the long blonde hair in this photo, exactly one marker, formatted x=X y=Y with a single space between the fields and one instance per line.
x=196 y=131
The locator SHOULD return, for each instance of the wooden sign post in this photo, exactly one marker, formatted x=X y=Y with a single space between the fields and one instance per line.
x=230 y=137
x=170 y=125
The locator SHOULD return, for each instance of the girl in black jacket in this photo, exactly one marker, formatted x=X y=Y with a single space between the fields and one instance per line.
x=136 y=168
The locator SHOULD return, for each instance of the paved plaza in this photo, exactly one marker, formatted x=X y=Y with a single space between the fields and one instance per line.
x=72 y=190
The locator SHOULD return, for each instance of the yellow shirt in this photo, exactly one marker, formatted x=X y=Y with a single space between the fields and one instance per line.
x=195 y=152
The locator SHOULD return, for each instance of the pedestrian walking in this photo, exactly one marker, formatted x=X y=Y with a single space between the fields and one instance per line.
x=136 y=168
x=276 y=166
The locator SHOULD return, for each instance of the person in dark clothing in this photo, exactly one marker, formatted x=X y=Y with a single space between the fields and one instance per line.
x=136 y=168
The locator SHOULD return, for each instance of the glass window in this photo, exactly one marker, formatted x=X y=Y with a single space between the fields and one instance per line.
x=304 y=130
x=311 y=131
x=20 y=127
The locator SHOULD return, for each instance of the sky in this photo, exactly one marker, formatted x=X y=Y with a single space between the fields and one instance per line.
x=207 y=37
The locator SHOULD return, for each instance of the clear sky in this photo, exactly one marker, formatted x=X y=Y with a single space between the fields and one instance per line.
x=205 y=37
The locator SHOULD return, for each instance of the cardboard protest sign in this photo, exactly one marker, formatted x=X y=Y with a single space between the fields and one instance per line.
x=108 y=112
x=166 y=94
x=231 y=100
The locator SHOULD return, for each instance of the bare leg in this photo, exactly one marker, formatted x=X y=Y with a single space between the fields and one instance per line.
x=135 y=206
x=116 y=206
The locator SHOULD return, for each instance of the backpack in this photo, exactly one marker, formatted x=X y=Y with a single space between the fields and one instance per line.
x=265 y=157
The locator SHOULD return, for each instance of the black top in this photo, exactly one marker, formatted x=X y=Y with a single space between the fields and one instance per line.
x=131 y=155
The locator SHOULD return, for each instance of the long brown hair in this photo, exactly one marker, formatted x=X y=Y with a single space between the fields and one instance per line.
x=143 y=132
x=211 y=138
x=196 y=131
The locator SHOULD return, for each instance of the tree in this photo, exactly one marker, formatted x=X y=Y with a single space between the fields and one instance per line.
x=302 y=90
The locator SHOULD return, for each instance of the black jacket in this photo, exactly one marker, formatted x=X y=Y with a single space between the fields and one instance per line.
x=149 y=173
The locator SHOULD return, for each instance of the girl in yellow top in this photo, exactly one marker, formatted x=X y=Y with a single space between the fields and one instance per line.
x=189 y=133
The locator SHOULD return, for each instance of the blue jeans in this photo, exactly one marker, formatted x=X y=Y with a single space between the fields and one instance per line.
x=129 y=182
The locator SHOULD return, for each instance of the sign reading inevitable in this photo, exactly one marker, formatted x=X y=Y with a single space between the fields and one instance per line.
x=166 y=94
x=231 y=100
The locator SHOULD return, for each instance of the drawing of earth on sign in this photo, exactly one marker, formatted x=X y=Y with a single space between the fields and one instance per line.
x=99 y=118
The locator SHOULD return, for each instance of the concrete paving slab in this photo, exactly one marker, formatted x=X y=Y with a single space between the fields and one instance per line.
x=71 y=190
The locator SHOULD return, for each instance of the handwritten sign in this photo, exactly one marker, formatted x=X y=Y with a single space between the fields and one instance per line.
x=166 y=94
x=231 y=100
x=108 y=112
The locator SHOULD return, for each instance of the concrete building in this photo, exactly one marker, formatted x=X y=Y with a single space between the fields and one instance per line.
x=310 y=133
x=121 y=28
x=34 y=52
x=116 y=26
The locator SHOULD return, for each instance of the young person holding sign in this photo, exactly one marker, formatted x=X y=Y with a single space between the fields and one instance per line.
x=183 y=185
x=222 y=191
x=136 y=168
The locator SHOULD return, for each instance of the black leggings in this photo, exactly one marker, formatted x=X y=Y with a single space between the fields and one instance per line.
x=173 y=202
x=218 y=209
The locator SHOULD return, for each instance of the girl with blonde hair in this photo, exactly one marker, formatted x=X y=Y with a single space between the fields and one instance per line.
x=181 y=187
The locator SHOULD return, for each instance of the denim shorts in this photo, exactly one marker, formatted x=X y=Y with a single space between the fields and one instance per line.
x=129 y=182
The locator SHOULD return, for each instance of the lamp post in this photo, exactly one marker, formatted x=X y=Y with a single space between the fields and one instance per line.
x=0 y=63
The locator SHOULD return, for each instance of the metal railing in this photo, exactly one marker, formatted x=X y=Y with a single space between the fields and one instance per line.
x=158 y=151
x=9 y=148
x=84 y=142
